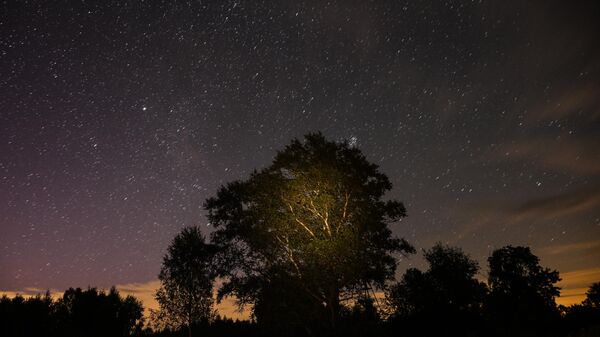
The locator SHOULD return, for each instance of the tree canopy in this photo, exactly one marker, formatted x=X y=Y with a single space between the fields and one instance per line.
x=187 y=275
x=516 y=271
x=592 y=296
x=448 y=291
x=585 y=317
x=78 y=312
x=316 y=215
x=522 y=293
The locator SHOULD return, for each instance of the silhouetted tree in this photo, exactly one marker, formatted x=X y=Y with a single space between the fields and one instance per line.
x=362 y=319
x=77 y=313
x=592 y=296
x=522 y=294
x=187 y=275
x=584 y=319
x=315 y=216
x=32 y=316
x=96 y=313
x=447 y=293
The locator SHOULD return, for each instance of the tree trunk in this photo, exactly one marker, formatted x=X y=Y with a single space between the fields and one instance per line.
x=189 y=325
x=334 y=306
x=189 y=315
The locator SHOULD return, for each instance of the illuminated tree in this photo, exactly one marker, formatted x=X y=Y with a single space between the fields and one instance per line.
x=186 y=293
x=315 y=216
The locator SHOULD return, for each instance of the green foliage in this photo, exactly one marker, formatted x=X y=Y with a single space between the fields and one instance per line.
x=187 y=275
x=315 y=215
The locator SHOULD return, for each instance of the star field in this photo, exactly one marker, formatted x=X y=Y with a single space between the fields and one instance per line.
x=118 y=119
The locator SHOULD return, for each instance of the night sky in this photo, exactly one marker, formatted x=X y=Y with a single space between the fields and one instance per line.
x=118 y=119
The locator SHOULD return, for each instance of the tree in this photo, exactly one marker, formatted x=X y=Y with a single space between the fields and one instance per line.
x=283 y=308
x=522 y=293
x=316 y=215
x=31 y=316
x=78 y=312
x=592 y=296
x=447 y=292
x=187 y=275
x=584 y=319
x=93 y=312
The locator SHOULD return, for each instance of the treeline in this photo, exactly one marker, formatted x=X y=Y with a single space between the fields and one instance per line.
x=447 y=299
x=78 y=312
x=518 y=298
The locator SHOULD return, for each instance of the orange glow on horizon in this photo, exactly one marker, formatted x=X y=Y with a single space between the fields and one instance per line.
x=574 y=285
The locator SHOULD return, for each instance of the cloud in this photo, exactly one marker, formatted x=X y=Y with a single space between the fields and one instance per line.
x=581 y=277
x=559 y=154
x=496 y=212
x=30 y=291
x=579 y=102
x=575 y=284
x=560 y=134
x=145 y=292
x=571 y=296
x=558 y=206
x=571 y=248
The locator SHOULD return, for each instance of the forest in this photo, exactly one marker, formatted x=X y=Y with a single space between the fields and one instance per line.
x=306 y=244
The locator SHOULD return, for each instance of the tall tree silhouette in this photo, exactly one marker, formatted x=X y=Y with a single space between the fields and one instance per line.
x=447 y=293
x=522 y=294
x=316 y=215
x=186 y=293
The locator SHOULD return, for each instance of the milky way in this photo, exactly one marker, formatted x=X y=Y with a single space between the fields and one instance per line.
x=118 y=119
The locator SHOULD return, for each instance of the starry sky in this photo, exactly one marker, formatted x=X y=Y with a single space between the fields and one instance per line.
x=119 y=118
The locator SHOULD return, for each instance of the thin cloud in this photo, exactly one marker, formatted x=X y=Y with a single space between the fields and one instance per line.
x=581 y=277
x=145 y=293
x=569 y=151
x=571 y=248
x=571 y=296
x=30 y=292
x=558 y=206
x=575 y=156
x=579 y=102
x=570 y=203
x=575 y=284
